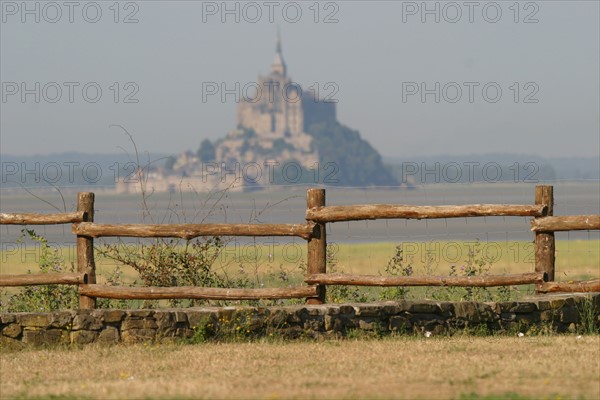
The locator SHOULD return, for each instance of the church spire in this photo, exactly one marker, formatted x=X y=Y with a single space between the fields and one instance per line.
x=278 y=48
x=278 y=66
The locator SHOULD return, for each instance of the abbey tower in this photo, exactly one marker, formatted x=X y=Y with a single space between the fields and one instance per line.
x=279 y=106
x=273 y=121
x=271 y=129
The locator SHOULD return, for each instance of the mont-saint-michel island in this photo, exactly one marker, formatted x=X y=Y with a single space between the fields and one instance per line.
x=284 y=134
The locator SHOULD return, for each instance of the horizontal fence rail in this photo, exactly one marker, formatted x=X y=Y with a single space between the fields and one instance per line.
x=566 y=223
x=194 y=292
x=74 y=278
x=464 y=281
x=42 y=219
x=588 y=286
x=190 y=231
x=318 y=214
x=390 y=211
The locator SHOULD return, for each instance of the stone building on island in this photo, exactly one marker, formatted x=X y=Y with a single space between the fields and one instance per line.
x=279 y=125
x=271 y=131
x=279 y=107
x=272 y=122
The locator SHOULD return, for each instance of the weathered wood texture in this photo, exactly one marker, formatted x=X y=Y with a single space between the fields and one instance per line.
x=85 y=249
x=193 y=292
x=41 y=219
x=566 y=223
x=43 y=279
x=464 y=281
x=190 y=231
x=585 y=286
x=388 y=211
x=317 y=246
x=545 y=247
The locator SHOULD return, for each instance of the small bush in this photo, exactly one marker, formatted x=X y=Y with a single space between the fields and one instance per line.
x=397 y=267
x=341 y=293
x=476 y=264
x=589 y=323
x=42 y=298
x=167 y=263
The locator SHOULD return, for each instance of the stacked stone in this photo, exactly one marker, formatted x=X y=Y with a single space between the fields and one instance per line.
x=557 y=313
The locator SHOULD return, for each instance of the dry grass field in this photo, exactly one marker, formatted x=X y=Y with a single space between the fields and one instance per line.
x=553 y=367
x=575 y=259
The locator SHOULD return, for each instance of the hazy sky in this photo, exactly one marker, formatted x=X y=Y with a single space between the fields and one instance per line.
x=543 y=56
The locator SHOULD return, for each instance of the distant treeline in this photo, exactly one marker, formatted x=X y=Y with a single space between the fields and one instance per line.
x=341 y=149
x=492 y=168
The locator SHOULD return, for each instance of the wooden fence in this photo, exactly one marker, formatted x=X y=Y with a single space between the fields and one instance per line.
x=318 y=214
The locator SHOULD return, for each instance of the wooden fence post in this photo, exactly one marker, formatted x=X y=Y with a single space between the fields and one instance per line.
x=544 y=241
x=317 y=246
x=85 y=248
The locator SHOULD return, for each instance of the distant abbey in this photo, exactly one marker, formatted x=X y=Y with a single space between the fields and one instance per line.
x=272 y=124
x=284 y=135
x=282 y=108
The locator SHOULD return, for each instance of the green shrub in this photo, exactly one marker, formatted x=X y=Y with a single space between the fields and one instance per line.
x=476 y=264
x=167 y=263
x=341 y=293
x=589 y=322
x=47 y=297
x=397 y=267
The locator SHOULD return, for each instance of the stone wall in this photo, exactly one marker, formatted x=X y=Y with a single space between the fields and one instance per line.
x=547 y=313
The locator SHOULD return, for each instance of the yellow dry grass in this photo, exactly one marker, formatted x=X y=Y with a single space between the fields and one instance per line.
x=410 y=368
x=575 y=259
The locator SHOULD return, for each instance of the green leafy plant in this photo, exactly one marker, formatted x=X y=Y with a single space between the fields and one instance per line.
x=115 y=278
x=341 y=293
x=168 y=263
x=589 y=318
x=397 y=267
x=239 y=326
x=476 y=264
x=47 y=297
x=200 y=333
